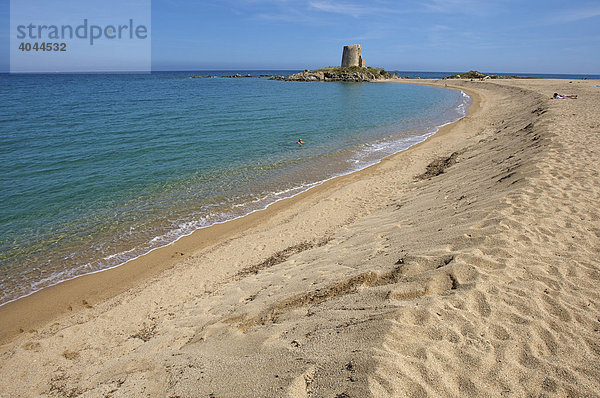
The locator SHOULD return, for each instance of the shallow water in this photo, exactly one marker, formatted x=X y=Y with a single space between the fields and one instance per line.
x=99 y=169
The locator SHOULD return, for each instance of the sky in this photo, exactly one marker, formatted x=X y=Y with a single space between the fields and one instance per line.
x=508 y=36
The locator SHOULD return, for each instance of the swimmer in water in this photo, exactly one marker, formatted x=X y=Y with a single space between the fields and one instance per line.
x=300 y=142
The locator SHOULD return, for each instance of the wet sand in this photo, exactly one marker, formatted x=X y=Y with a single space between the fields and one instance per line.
x=464 y=266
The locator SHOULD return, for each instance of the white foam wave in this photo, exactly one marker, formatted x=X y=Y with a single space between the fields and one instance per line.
x=362 y=159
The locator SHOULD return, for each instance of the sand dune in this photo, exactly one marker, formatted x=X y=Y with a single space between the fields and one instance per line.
x=465 y=266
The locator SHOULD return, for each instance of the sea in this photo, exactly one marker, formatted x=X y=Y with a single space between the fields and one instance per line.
x=99 y=169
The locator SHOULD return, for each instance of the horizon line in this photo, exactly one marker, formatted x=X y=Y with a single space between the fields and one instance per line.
x=270 y=69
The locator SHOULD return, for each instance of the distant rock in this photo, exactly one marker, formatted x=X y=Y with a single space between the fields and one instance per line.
x=201 y=77
x=237 y=75
x=473 y=74
x=338 y=74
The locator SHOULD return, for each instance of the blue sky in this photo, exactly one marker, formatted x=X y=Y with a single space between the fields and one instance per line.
x=432 y=35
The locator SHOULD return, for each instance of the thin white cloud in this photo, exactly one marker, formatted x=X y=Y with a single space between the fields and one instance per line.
x=340 y=8
x=577 y=15
x=439 y=28
x=472 y=7
x=567 y=16
x=290 y=16
x=351 y=9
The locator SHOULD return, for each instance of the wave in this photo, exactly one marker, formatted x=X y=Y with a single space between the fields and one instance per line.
x=359 y=158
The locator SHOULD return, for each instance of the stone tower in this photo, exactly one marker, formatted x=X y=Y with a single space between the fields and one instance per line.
x=352 y=56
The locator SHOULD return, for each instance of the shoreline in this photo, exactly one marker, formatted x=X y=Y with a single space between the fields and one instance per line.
x=464 y=266
x=299 y=189
x=37 y=308
x=96 y=252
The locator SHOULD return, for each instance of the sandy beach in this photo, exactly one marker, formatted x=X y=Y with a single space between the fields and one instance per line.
x=464 y=266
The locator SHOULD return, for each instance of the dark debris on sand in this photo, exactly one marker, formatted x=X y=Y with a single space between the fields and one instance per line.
x=438 y=166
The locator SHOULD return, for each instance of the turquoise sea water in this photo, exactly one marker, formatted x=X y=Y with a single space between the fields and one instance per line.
x=99 y=169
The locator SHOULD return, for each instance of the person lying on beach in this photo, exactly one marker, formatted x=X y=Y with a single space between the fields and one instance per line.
x=563 y=96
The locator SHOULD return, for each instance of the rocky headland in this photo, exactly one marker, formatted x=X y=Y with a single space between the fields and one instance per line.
x=340 y=74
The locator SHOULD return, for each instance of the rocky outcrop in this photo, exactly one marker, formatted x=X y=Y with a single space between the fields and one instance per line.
x=237 y=76
x=351 y=74
x=474 y=74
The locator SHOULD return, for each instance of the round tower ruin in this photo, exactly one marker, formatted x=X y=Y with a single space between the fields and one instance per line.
x=352 y=56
